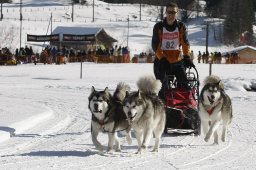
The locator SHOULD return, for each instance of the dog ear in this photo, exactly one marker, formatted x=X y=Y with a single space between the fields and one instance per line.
x=126 y=93
x=218 y=83
x=106 y=90
x=92 y=89
x=138 y=94
x=139 y=101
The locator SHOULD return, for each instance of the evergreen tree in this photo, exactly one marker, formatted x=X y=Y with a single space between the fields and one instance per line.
x=215 y=8
x=75 y=1
x=239 y=20
x=230 y=23
x=254 y=5
x=247 y=19
x=79 y=1
x=5 y=1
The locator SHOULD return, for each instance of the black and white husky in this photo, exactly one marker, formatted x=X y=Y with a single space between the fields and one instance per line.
x=214 y=107
x=146 y=112
x=108 y=116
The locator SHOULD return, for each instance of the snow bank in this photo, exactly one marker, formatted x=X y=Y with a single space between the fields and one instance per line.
x=18 y=115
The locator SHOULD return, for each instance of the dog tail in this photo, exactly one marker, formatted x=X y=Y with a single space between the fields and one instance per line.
x=149 y=85
x=214 y=79
x=120 y=91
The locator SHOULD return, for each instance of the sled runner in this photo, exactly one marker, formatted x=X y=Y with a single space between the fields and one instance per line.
x=181 y=104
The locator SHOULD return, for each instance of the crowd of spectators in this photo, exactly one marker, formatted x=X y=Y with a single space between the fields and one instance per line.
x=216 y=57
x=115 y=54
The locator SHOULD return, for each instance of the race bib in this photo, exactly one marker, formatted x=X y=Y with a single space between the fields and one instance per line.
x=170 y=40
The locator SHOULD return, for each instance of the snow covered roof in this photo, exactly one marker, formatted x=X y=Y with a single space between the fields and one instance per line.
x=99 y=33
x=77 y=30
x=244 y=47
x=239 y=49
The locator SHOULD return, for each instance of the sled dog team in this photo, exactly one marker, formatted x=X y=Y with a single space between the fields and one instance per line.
x=144 y=112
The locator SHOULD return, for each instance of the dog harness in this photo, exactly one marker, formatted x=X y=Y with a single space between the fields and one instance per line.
x=105 y=120
x=101 y=122
x=210 y=110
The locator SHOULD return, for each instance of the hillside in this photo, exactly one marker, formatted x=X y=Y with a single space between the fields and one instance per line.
x=112 y=17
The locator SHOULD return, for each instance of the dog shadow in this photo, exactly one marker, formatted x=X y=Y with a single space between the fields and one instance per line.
x=166 y=146
x=60 y=153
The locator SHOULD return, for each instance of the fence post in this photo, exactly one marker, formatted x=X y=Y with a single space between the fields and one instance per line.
x=81 y=69
x=210 y=67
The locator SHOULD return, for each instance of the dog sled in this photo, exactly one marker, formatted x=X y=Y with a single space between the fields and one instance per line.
x=181 y=104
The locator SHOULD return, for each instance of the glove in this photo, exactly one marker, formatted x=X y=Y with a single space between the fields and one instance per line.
x=187 y=62
x=163 y=65
x=163 y=62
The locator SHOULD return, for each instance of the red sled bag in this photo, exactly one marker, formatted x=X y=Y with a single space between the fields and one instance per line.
x=181 y=105
x=181 y=98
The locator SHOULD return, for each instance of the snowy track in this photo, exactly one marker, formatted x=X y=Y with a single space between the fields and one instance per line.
x=61 y=140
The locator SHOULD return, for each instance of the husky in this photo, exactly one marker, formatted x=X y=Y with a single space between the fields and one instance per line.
x=108 y=116
x=214 y=106
x=145 y=112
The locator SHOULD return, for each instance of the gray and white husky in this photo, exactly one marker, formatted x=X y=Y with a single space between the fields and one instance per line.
x=108 y=116
x=146 y=112
x=214 y=107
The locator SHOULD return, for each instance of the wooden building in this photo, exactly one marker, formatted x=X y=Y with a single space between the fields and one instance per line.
x=246 y=55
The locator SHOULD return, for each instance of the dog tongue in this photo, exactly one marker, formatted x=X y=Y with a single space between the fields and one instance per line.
x=210 y=100
x=98 y=111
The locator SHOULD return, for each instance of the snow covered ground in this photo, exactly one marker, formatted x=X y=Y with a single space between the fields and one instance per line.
x=45 y=122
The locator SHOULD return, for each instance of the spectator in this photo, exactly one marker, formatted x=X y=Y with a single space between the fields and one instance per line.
x=199 y=57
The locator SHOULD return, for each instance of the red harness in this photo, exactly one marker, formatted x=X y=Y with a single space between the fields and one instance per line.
x=102 y=122
x=210 y=111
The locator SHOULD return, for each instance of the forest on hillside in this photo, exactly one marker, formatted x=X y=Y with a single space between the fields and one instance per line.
x=238 y=16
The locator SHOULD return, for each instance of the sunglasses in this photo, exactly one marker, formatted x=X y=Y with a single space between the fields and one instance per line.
x=171 y=12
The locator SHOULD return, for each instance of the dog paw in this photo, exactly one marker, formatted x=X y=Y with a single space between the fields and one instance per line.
x=206 y=139
x=140 y=151
x=118 y=150
x=129 y=140
x=100 y=148
x=223 y=139
x=143 y=147
x=155 y=150
x=101 y=153
x=110 y=151
x=215 y=143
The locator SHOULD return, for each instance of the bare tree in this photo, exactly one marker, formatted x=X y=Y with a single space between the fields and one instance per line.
x=7 y=37
x=3 y=1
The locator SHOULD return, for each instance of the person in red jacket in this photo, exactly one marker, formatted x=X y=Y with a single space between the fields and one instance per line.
x=168 y=37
